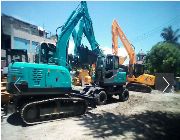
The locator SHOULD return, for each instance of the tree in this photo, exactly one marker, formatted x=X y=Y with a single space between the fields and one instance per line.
x=164 y=57
x=169 y=35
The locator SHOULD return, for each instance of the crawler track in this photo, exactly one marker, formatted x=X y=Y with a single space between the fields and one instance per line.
x=51 y=109
x=138 y=87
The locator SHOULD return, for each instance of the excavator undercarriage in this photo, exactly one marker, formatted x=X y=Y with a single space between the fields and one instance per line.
x=138 y=87
x=50 y=109
x=37 y=109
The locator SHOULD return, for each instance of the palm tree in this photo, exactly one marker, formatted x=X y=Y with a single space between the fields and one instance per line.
x=169 y=35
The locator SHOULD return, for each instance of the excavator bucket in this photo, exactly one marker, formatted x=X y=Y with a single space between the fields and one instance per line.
x=122 y=59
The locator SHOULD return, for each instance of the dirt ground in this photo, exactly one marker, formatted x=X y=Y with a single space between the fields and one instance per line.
x=143 y=116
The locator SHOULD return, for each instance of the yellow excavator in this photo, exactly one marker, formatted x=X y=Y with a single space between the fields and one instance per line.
x=82 y=77
x=137 y=79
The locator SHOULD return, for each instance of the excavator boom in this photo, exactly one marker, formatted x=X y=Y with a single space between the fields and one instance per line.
x=117 y=32
x=137 y=80
x=86 y=28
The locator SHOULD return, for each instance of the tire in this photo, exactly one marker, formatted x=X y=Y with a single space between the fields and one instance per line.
x=102 y=98
x=124 y=96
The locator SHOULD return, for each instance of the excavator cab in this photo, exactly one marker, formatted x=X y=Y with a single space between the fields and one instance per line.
x=108 y=71
x=109 y=62
x=112 y=64
x=45 y=53
x=138 y=70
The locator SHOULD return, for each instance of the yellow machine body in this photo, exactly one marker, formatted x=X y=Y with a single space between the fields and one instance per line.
x=83 y=77
x=146 y=79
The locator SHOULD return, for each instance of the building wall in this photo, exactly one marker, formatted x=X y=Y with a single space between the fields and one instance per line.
x=22 y=35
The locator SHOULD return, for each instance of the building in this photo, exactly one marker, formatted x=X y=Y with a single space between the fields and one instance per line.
x=140 y=57
x=18 y=34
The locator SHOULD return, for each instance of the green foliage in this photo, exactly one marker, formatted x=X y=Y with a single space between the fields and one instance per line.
x=164 y=58
x=169 y=35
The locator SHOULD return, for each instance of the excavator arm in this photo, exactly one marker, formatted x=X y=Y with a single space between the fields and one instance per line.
x=66 y=31
x=86 y=28
x=77 y=36
x=117 y=32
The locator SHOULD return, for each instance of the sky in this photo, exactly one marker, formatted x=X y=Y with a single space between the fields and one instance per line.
x=142 y=22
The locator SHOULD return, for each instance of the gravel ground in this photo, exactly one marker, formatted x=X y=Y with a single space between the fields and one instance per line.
x=143 y=116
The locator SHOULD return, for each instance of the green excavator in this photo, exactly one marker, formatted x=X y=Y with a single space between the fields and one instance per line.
x=42 y=91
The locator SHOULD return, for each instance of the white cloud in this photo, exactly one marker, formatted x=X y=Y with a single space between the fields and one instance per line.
x=71 y=47
x=121 y=52
x=106 y=50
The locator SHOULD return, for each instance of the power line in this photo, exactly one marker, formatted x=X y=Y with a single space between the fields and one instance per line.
x=157 y=29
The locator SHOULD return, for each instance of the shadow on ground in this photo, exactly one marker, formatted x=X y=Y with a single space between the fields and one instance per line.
x=15 y=119
x=148 y=125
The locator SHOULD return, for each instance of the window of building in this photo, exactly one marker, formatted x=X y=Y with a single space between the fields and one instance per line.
x=20 y=43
